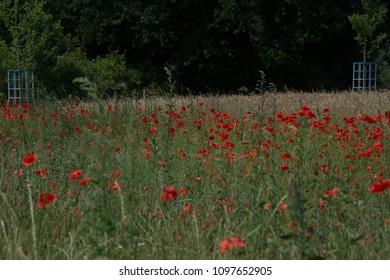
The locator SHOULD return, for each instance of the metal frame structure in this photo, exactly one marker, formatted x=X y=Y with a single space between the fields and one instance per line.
x=364 y=76
x=20 y=86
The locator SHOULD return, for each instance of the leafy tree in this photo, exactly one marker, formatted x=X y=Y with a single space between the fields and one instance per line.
x=366 y=26
x=220 y=44
x=36 y=37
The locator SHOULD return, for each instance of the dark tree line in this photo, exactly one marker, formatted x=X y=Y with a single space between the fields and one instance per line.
x=219 y=44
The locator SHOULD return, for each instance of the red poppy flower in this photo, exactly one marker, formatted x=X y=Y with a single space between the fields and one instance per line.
x=378 y=146
x=29 y=159
x=85 y=181
x=365 y=154
x=332 y=192
x=322 y=204
x=45 y=199
x=282 y=207
x=76 y=174
x=283 y=166
x=203 y=151
x=226 y=244
x=169 y=193
x=187 y=208
x=182 y=153
x=285 y=156
x=324 y=168
x=41 y=172
x=380 y=186
x=267 y=206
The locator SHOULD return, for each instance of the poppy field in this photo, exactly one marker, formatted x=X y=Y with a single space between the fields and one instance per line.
x=188 y=179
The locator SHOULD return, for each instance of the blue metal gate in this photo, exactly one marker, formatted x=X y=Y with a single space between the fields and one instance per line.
x=364 y=76
x=20 y=86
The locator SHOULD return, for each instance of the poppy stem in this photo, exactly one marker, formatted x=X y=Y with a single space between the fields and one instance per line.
x=122 y=202
x=33 y=230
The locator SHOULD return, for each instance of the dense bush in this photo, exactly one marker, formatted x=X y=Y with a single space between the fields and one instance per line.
x=112 y=75
x=4 y=62
x=384 y=76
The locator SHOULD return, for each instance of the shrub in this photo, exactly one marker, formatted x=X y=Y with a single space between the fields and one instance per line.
x=384 y=76
x=4 y=65
x=69 y=66
x=112 y=75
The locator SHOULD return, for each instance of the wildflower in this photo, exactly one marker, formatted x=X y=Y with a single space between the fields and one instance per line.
x=45 y=199
x=169 y=193
x=332 y=192
x=378 y=146
x=214 y=145
x=226 y=244
x=76 y=174
x=267 y=206
x=324 y=168
x=365 y=153
x=116 y=173
x=182 y=153
x=285 y=156
x=85 y=181
x=310 y=115
x=322 y=204
x=283 y=166
x=29 y=159
x=282 y=207
x=380 y=186
x=41 y=172
x=115 y=185
x=203 y=151
x=187 y=208
x=230 y=155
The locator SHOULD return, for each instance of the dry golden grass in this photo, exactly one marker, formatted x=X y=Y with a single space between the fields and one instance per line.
x=343 y=103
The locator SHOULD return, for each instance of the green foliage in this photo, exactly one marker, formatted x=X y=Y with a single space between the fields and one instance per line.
x=174 y=182
x=263 y=86
x=110 y=73
x=112 y=76
x=37 y=37
x=69 y=66
x=366 y=26
x=5 y=63
x=124 y=45
x=384 y=76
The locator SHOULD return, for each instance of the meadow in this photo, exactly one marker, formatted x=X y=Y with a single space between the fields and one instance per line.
x=274 y=176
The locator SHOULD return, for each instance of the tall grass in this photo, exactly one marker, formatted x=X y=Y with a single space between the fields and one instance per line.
x=177 y=178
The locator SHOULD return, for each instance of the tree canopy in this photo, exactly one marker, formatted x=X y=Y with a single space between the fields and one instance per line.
x=219 y=44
